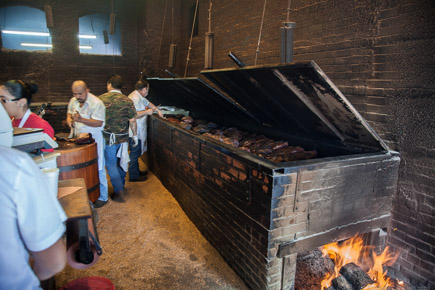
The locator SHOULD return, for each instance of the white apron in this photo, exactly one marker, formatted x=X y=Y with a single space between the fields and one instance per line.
x=97 y=135
x=142 y=133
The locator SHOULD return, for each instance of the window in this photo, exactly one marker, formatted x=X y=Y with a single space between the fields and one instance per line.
x=24 y=28
x=92 y=31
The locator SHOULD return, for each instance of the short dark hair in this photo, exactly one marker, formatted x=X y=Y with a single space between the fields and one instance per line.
x=115 y=81
x=141 y=84
x=21 y=90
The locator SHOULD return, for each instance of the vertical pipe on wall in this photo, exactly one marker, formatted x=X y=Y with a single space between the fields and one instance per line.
x=48 y=16
x=106 y=37
x=112 y=23
x=172 y=55
x=287 y=42
x=209 y=42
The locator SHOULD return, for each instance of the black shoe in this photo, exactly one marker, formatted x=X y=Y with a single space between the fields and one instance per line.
x=143 y=173
x=99 y=203
x=139 y=179
x=118 y=196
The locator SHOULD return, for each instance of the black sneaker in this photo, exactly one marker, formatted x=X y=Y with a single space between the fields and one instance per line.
x=99 y=203
x=139 y=179
x=118 y=196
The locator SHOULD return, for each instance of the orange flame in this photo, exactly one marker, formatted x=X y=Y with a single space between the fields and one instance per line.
x=353 y=251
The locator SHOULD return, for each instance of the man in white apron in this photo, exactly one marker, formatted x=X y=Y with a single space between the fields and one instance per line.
x=143 y=109
x=87 y=114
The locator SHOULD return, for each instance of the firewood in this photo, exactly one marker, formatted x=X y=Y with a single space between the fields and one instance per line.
x=356 y=276
x=340 y=283
x=331 y=288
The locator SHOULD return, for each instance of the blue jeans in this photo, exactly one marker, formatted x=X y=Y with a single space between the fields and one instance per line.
x=103 y=184
x=135 y=152
x=116 y=174
x=104 y=188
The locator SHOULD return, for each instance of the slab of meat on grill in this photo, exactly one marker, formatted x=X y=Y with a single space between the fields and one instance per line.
x=173 y=120
x=230 y=141
x=245 y=149
x=252 y=139
x=187 y=119
x=186 y=126
x=278 y=145
x=292 y=156
x=260 y=145
x=201 y=128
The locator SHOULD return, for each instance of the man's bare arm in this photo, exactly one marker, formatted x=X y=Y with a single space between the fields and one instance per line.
x=90 y=122
x=50 y=261
x=133 y=126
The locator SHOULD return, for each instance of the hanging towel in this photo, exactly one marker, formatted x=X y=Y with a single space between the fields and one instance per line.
x=123 y=155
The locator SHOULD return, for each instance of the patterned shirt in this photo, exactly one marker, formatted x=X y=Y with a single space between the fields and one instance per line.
x=119 y=109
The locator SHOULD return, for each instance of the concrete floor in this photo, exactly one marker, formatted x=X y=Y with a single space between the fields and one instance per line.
x=149 y=243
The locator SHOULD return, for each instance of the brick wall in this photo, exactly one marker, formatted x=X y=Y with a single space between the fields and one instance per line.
x=380 y=54
x=55 y=71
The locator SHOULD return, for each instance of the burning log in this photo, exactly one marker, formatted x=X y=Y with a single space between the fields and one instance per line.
x=352 y=278
x=347 y=255
x=311 y=267
x=356 y=276
x=340 y=283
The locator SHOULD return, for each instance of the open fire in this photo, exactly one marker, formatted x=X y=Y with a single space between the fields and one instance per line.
x=353 y=256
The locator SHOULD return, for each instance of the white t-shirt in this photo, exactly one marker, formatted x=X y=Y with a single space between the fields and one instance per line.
x=94 y=109
x=141 y=104
x=30 y=218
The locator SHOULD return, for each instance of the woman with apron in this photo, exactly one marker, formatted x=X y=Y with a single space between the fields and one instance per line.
x=16 y=97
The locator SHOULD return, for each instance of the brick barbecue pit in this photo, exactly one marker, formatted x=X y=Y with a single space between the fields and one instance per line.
x=259 y=214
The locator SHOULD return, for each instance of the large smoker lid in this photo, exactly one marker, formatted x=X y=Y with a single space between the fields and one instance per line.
x=195 y=95
x=297 y=97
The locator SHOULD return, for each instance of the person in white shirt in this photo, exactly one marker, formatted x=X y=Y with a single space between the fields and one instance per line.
x=143 y=109
x=87 y=114
x=31 y=222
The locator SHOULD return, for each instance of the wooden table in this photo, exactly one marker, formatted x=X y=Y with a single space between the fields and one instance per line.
x=78 y=210
x=76 y=205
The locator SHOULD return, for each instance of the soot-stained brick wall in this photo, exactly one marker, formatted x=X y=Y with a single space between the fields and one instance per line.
x=380 y=54
x=55 y=71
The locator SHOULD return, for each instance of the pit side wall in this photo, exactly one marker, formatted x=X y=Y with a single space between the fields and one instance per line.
x=247 y=211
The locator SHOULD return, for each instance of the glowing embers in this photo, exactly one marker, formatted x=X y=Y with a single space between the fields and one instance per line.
x=357 y=265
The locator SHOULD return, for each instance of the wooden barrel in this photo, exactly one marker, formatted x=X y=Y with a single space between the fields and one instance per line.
x=79 y=161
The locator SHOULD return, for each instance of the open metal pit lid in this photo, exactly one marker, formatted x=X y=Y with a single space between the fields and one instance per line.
x=194 y=95
x=298 y=98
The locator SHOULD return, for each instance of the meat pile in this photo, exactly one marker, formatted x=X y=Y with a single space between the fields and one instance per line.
x=260 y=145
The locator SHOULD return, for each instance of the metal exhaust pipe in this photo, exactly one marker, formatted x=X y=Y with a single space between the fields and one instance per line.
x=236 y=59
x=287 y=42
x=170 y=73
